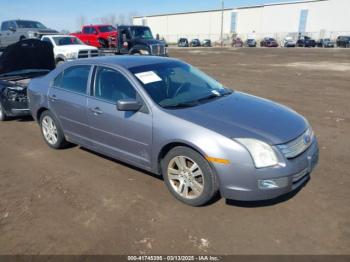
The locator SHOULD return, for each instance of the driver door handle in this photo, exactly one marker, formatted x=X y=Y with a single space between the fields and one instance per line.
x=97 y=111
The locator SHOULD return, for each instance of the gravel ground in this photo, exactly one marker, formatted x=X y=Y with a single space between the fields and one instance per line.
x=77 y=202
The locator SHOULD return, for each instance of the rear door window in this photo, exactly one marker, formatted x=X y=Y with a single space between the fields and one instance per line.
x=74 y=79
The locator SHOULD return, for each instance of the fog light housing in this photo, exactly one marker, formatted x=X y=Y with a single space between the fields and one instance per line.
x=267 y=184
x=273 y=183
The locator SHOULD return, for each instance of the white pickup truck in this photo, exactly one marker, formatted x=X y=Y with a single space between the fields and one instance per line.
x=68 y=48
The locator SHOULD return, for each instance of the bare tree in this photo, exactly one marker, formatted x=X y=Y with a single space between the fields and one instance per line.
x=121 y=19
x=81 y=20
x=130 y=17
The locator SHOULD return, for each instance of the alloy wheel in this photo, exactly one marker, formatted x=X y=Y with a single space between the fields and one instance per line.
x=186 y=177
x=49 y=130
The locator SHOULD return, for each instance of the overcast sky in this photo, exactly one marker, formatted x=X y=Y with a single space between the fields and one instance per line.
x=64 y=14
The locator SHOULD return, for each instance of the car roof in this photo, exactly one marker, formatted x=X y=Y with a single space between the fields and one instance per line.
x=98 y=25
x=126 y=61
x=50 y=36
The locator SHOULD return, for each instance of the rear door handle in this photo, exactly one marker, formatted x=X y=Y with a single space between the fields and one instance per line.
x=53 y=98
x=97 y=111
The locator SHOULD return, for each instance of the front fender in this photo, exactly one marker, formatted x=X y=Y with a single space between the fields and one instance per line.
x=138 y=48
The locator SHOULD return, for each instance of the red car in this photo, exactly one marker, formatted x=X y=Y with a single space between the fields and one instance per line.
x=100 y=36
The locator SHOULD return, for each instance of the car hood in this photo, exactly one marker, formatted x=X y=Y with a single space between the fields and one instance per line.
x=74 y=48
x=47 y=31
x=148 y=41
x=27 y=54
x=244 y=116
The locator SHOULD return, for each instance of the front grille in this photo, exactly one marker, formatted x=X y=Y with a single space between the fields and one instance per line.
x=298 y=145
x=158 y=50
x=88 y=53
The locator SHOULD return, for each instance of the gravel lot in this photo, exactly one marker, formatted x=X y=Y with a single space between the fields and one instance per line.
x=76 y=202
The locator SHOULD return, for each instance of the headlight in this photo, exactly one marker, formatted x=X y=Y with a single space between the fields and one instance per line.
x=263 y=155
x=32 y=34
x=144 y=52
x=71 y=55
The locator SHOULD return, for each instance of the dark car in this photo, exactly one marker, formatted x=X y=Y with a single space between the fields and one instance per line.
x=19 y=63
x=325 y=43
x=206 y=43
x=269 y=42
x=343 y=41
x=195 y=43
x=251 y=43
x=237 y=42
x=183 y=42
x=306 y=41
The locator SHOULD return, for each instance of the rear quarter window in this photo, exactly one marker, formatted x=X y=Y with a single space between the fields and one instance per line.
x=74 y=79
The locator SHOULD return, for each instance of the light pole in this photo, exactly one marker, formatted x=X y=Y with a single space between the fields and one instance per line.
x=222 y=22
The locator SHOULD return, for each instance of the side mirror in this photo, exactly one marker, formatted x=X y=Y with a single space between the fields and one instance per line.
x=12 y=29
x=129 y=105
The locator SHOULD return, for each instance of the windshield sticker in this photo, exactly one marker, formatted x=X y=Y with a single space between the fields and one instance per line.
x=148 y=77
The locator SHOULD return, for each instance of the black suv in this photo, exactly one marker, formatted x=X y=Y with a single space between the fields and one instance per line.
x=306 y=41
x=343 y=41
x=195 y=43
x=183 y=42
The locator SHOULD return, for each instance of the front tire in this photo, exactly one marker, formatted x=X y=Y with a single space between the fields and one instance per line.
x=3 y=116
x=51 y=131
x=189 y=177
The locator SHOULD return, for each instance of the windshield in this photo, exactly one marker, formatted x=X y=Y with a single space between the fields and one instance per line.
x=107 y=28
x=67 y=40
x=30 y=24
x=176 y=84
x=141 y=32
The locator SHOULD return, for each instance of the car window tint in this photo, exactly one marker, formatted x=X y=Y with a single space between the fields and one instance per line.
x=4 y=26
x=73 y=79
x=112 y=86
x=46 y=39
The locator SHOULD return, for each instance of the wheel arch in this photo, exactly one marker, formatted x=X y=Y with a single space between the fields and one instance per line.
x=39 y=113
x=169 y=146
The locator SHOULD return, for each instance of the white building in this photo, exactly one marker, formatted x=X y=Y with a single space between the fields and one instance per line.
x=317 y=18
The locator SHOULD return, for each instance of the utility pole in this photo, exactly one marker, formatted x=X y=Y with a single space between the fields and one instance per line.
x=222 y=22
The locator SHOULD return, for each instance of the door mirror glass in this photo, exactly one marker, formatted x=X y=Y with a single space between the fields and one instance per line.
x=129 y=105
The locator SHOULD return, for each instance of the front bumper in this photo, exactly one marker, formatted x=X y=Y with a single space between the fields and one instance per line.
x=243 y=182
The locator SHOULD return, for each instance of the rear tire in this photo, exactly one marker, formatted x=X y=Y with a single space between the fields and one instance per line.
x=189 y=177
x=3 y=116
x=52 y=131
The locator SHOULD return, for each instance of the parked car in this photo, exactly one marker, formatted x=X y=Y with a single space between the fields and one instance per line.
x=288 y=42
x=100 y=36
x=19 y=63
x=306 y=41
x=325 y=43
x=206 y=43
x=237 y=42
x=195 y=43
x=68 y=48
x=183 y=42
x=251 y=42
x=268 y=42
x=161 y=115
x=343 y=41
x=13 y=31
